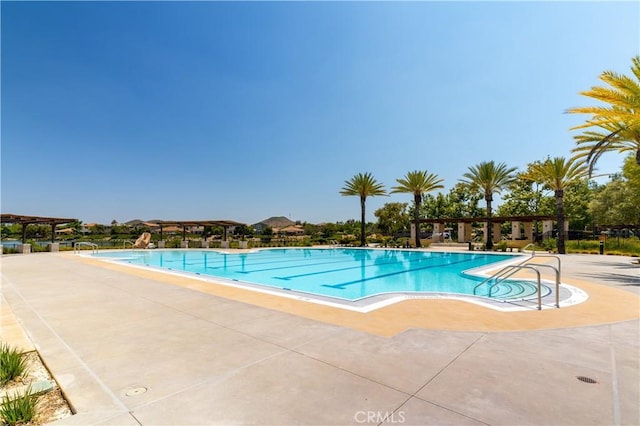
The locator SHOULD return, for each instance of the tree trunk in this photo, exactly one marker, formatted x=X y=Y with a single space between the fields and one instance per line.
x=363 y=240
x=416 y=218
x=638 y=157
x=489 y=198
x=560 y=220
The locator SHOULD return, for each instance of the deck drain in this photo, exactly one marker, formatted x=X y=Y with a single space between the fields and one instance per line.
x=138 y=390
x=586 y=379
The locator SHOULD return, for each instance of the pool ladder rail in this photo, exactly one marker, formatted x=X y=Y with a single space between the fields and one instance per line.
x=92 y=246
x=510 y=270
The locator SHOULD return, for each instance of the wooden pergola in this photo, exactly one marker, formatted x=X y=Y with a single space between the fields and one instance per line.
x=225 y=224
x=464 y=224
x=496 y=219
x=35 y=220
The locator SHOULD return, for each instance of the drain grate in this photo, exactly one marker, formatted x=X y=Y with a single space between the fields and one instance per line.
x=586 y=379
x=138 y=390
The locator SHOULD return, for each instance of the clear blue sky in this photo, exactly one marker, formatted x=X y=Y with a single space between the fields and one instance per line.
x=242 y=111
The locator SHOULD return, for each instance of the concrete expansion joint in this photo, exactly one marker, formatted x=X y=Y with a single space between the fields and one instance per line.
x=614 y=381
x=66 y=347
x=131 y=413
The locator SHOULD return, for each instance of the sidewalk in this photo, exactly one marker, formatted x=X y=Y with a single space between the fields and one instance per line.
x=12 y=332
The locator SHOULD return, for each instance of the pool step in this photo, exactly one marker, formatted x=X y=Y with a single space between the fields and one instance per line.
x=516 y=289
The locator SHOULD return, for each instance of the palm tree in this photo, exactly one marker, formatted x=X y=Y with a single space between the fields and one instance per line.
x=616 y=126
x=489 y=178
x=363 y=185
x=557 y=174
x=417 y=183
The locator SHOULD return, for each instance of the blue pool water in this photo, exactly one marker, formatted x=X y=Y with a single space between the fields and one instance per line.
x=343 y=273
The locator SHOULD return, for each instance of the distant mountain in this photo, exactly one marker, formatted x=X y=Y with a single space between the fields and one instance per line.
x=277 y=222
x=134 y=222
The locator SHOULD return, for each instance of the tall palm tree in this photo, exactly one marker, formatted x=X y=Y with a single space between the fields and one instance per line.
x=489 y=178
x=613 y=127
x=557 y=174
x=417 y=183
x=363 y=185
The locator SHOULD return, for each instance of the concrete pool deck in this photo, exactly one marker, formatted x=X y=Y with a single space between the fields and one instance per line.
x=135 y=347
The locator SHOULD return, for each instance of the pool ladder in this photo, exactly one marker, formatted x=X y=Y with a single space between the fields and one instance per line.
x=92 y=246
x=510 y=270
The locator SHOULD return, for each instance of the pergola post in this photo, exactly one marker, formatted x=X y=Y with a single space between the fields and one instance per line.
x=438 y=228
x=515 y=230
x=464 y=232
x=528 y=231
x=497 y=232
x=485 y=231
x=184 y=243
x=53 y=246
x=547 y=229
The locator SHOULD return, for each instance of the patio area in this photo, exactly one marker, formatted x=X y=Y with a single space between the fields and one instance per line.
x=132 y=347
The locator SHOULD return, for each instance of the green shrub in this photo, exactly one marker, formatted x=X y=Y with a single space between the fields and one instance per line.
x=501 y=246
x=549 y=244
x=19 y=409
x=583 y=246
x=35 y=247
x=12 y=364
x=173 y=243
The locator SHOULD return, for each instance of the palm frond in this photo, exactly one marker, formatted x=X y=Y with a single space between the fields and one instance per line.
x=363 y=185
x=418 y=182
x=614 y=126
x=489 y=177
x=557 y=173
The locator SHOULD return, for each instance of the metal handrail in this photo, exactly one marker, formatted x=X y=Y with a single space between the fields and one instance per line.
x=553 y=256
x=517 y=268
x=124 y=244
x=76 y=249
x=511 y=270
x=557 y=271
x=498 y=275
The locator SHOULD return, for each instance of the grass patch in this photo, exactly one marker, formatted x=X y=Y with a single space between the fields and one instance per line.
x=613 y=245
x=19 y=409
x=12 y=364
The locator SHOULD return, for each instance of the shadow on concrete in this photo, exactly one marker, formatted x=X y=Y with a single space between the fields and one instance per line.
x=622 y=279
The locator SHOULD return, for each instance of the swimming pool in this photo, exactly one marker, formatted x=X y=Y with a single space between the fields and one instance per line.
x=343 y=273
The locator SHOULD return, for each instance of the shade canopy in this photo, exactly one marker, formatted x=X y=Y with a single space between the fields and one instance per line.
x=31 y=220
x=184 y=223
x=28 y=220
